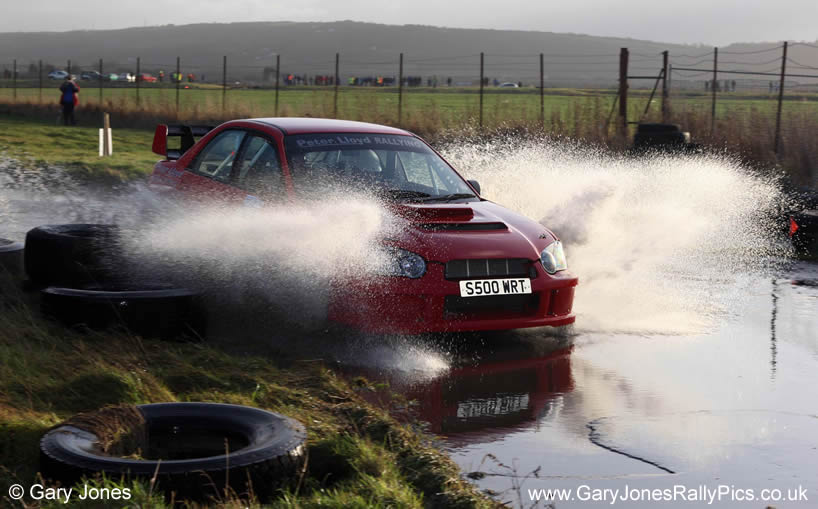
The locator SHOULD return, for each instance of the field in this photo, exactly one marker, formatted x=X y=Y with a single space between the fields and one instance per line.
x=744 y=124
x=449 y=106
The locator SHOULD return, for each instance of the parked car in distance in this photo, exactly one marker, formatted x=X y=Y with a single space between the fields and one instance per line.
x=509 y=84
x=57 y=75
x=90 y=75
x=147 y=78
x=462 y=263
x=112 y=77
x=127 y=77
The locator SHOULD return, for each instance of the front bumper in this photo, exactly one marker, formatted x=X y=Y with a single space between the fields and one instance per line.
x=432 y=303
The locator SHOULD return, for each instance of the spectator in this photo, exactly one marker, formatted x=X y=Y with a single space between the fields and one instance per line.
x=69 y=98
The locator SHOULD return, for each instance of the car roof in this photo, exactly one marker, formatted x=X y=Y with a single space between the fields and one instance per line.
x=294 y=125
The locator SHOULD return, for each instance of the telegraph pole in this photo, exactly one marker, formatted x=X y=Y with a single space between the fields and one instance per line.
x=335 y=106
x=400 y=90
x=780 y=99
x=623 y=90
x=481 y=88
x=278 y=68
x=542 y=93
x=713 y=90
x=664 y=86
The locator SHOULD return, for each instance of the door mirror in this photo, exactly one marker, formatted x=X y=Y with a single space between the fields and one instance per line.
x=475 y=185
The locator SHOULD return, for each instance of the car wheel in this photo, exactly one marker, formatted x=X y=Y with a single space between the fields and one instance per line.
x=11 y=257
x=71 y=253
x=148 y=309
x=194 y=450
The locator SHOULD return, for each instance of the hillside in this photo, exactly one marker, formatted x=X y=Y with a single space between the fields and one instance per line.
x=365 y=48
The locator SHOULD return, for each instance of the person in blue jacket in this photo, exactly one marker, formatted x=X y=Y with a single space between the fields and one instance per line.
x=69 y=99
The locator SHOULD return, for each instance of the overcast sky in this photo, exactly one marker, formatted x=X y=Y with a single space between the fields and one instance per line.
x=712 y=22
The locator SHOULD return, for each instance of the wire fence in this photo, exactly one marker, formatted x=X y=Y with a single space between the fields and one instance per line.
x=497 y=79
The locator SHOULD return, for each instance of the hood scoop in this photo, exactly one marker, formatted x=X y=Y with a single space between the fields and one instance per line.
x=461 y=227
x=424 y=214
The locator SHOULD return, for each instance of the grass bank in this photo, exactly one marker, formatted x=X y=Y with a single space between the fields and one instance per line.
x=40 y=144
x=358 y=455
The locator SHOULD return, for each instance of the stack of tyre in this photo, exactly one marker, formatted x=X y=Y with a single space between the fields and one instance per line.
x=662 y=137
x=81 y=272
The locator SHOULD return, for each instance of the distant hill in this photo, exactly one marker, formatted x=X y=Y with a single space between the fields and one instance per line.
x=369 y=49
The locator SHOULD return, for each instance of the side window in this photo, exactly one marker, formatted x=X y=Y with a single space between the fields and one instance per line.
x=259 y=171
x=416 y=167
x=216 y=159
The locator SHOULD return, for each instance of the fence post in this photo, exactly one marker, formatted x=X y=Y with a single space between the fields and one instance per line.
x=713 y=91
x=138 y=79
x=106 y=128
x=101 y=82
x=481 y=89
x=69 y=67
x=224 y=83
x=623 y=90
x=14 y=81
x=542 y=93
x=40 y=79
x=400 y=90
x=177 y=78
x=278 y=69
x=665 y=104
x=780 y=99
x=335 y=106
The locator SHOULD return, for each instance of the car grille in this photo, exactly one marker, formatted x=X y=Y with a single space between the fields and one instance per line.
x=492 y=306
x=490 y=267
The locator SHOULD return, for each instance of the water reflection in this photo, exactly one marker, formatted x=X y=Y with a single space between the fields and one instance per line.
x=734 y=406
x=489 y=399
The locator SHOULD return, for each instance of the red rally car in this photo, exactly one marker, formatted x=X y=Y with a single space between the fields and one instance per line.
x=463 y=264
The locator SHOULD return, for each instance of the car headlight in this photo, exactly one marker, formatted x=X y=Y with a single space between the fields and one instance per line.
x=553 y=258
x=400 y=262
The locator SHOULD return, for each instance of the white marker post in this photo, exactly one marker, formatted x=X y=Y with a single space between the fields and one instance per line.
x=106 y=146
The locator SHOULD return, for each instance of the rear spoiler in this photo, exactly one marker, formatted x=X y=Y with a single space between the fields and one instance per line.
x=188 y=134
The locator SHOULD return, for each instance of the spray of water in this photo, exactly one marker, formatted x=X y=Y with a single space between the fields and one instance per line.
x=650 y=238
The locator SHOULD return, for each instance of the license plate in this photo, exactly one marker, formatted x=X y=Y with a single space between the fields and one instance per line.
x=483 y=287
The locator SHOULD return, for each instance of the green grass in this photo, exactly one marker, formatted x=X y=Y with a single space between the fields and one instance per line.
x=744 y=125
x=358 y=455
x=77 y=149
x=451 y=106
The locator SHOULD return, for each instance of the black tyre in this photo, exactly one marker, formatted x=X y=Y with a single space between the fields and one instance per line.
x=659 y=139
x=184 y=445
x=150 y=310
x=11 y=257
x=654 y=128
x=72 y=253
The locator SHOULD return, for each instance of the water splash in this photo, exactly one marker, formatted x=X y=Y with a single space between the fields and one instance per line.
x=650 y=237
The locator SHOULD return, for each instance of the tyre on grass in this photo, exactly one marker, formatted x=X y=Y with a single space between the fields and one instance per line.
x=148 y=309
x=68 y=254
x=195 y=450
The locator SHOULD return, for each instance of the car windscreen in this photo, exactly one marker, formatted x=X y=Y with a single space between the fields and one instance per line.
x=395 y=166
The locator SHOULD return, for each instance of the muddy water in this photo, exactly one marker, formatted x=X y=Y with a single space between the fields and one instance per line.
x=694 y=360
x=733 y=408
